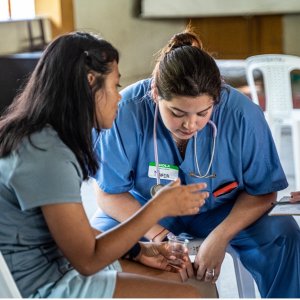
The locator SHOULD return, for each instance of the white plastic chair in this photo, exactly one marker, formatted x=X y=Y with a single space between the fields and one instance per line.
x=244 y=280
x=276 y=71
x=8 y=287
x=296 y=147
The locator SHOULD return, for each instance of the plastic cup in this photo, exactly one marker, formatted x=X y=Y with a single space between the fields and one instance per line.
x=178 y=247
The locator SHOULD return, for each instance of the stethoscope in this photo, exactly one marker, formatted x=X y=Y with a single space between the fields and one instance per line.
x=96 y=140
x=155 y=188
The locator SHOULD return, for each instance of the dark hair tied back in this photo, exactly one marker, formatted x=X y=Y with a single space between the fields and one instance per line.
x=183 y=68
x=183 y=39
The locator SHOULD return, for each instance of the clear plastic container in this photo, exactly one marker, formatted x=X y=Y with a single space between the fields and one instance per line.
x=178 y=248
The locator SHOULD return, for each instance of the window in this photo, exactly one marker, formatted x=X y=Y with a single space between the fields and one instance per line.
x=4 y=10
x=16 y=9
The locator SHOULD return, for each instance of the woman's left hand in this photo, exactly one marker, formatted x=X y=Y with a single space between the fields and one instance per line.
x=295 y=197
x=209 y=259
x=158 y=255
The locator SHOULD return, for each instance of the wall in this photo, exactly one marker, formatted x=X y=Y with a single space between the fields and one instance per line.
x=58 y=15
x=16 y=35
x=198 y=8
x=291 y=25
x=59 y=12
x=137 y=39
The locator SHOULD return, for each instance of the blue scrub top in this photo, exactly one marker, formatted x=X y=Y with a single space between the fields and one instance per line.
x=245 y=152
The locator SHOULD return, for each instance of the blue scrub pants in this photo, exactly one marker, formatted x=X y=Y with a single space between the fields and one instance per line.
x=269 y=248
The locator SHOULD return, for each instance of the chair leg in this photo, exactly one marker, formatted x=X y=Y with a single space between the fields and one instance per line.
x=244 y=279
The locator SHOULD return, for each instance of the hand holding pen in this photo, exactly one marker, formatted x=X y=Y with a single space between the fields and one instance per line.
x=295 y=197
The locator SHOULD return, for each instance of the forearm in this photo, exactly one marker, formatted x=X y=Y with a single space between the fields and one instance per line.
x=246 y=211
x=120 y=242
x=121 y=207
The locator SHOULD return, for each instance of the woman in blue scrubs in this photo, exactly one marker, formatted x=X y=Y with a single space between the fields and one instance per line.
x=204 y=131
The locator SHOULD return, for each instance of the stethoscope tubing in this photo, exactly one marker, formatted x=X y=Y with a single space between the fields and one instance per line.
x=206 y=175
x=155 y=145
x=156 y=157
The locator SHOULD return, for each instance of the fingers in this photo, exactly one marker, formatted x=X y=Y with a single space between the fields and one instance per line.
x=190 y=188
x=295 y=197
x=200 y=271
x=189 y=267
x=182 y=272
x=207 y=274
x=185 y=199
x=216 y=275
x=211 y=275
x=295 y=193
x=168 y=250
x=165 y=264
x=196 y=187
x=194 y=203
x=196 y=190
x=185 y=271
x=175 y=182
x=194 y=198
x=184 y=275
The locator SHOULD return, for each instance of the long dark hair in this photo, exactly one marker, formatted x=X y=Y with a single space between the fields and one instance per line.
x=183 y=68
x=58 y=93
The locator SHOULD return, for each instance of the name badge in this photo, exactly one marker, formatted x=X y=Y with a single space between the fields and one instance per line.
x=166 y=171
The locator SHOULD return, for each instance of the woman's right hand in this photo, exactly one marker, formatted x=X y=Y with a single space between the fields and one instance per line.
x=179 y=200
x=161 y=256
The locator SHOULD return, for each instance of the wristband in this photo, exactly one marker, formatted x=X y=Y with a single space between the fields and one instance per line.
x=132 y=253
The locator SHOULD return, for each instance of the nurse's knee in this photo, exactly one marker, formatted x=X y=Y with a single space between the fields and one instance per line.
x=286 y=228
x=286 y=225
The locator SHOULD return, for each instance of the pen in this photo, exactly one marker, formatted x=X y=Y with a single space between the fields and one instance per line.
x=225 y=189
x=282 y=203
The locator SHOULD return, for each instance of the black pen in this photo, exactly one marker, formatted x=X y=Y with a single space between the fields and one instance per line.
x=282 y=203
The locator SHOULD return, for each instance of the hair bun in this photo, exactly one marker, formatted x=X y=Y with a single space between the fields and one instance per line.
x=186 y=38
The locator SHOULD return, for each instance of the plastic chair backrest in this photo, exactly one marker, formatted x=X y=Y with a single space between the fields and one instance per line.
x=8 y=287
x=276 y=71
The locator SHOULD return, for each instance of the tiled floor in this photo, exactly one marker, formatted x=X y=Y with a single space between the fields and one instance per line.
x=226 y=284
